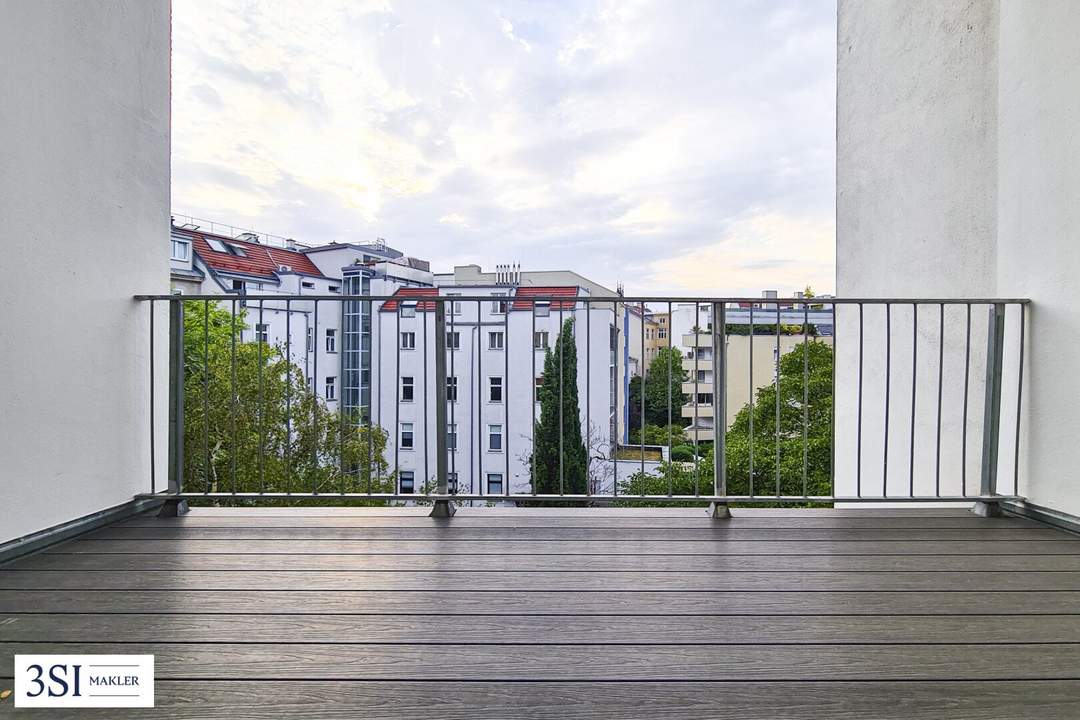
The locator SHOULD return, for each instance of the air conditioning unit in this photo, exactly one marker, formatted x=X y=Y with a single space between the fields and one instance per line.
x=284 y=268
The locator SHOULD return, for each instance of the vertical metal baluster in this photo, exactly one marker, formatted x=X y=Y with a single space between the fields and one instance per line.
x=751 y=437
x=669 y=372
x=448 y=347
x=559 y=344
x=963 y=429
x=940 y=384
x=914 y=385
x=441 y=508
x=641 y=420
x=1019 y=396
x=532 y=408
x=206 y=393
x=888 y=369
x=315 y=402
x=832 y=410
x=588 y=396
x=175 y=507
x=617 y=388
x=719 y=393
x=506 y=396
x=397 y=398
x=153 y=442
x=805 y=392
x=232 y=399
x=288 y=396
x=776 y=381
x=262 y=419
x=481 y=477
x=340 y=349
x=858 y=442
x=995 y=343
x=697 y=393
x=426 y=424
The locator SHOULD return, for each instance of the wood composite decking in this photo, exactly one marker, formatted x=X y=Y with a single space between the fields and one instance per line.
x=557 y=613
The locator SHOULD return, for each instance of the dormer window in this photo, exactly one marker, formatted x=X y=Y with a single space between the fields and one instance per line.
x=181 y=250
x=543 y=308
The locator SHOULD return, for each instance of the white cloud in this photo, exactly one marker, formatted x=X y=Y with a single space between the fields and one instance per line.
x=645 y=142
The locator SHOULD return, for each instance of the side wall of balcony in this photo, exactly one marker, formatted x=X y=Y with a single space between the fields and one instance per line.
x=957 y=152
x=84 y=209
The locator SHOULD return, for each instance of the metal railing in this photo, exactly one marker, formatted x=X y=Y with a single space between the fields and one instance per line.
x=252 y=417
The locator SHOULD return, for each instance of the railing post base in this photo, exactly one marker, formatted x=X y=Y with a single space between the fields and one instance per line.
x=987 y=509
x=173 y=508
x=442 y=509
x=719 y=511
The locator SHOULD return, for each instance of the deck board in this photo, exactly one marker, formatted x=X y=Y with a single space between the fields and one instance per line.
x=557 y=612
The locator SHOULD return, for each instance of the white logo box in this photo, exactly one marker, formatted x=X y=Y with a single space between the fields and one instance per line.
x=84 y=681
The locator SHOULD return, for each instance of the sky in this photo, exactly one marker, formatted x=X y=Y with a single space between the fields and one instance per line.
x=676 y=147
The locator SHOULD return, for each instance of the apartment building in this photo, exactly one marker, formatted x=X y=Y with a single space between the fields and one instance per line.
x=377 y=358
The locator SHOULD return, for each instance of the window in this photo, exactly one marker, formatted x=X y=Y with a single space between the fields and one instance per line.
x=498 y=307
x=495 y=389
x=236 y=250
x=451 y=483
x=540 y=381
x=495 y=438
x=453 y=340
x=406 y=436
x=238 y=285
x=407 y=481
x=331 y=340
x=408 y=341
x=662 y=332
x=331 y=388
x=451 y=389
x=540 y=340
x=307 y=285
x=310 y=340
x=701 y=376
x=495 y=341
x=334 y=288
x=408 y=309
x=455 y=306
x=262 y=332
x=181 y=250
x=542 y=308
x=704 y=398
x=451 y=436
x=216 y=245
x=494 y=483
x=407 y=389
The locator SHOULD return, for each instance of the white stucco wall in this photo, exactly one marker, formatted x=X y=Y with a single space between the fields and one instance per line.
x=84 y=218
x=957 y=157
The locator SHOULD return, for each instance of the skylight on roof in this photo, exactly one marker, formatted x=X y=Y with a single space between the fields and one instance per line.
x=216 y=245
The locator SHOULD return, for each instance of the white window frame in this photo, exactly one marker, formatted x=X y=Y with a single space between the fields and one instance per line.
x=410 y=476
x=495 y=386
x=451 y=432
x=331 y=340
x=331 y=387
x=492 y=344
x=488 y=481
x=262 y=332
x=186 y=244
x=411 y=436
x=410 y=385
x=453 y=339
x=309 y=334
x=542 y=308
x=408 y=309
x=455 y=305
x=499 y=307
x=452 y=483
x=451 y=384
x=492 y=434
x=408 y=341
x=541 y=335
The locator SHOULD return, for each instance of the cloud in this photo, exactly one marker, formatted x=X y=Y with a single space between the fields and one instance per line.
x=671 y=151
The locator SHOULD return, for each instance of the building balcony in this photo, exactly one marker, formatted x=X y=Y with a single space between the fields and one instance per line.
x=691 y=410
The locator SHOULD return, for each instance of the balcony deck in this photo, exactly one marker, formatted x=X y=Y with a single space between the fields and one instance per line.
x=549 y=613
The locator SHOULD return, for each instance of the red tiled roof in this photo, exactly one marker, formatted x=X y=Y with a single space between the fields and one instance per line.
x=261 y=260
x=412 y=292
x=523 y=297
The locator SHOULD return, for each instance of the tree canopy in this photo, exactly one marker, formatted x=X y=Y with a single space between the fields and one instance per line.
x=559 y=463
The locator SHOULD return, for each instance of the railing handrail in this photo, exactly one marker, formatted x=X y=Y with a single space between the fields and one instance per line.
x=764 y=304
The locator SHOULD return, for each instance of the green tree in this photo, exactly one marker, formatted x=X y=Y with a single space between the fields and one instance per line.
x=663 y=388
x=558 y=441
x=659 y=435
x=812 y=399
x=237 y=417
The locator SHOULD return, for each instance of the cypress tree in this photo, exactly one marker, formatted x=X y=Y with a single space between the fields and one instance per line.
x=558 y=434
